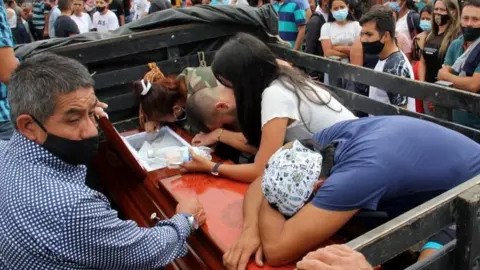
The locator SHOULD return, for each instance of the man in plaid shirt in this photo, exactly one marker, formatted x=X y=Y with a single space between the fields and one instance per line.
x=8 y=63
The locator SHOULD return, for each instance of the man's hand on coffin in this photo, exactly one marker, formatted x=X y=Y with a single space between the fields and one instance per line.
x=198 y=163
x=151 y=126
x=335 y=257
x=193 y=207
x=238 y=256
x=100 y=109
x=206 y=139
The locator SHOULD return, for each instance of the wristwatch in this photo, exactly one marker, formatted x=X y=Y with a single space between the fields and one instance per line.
x=215 y=169
x=191 y=221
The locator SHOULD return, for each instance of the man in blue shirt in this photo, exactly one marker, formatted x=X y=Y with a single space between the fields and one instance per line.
x=49 y=218
x=390 y=164
x=8 y=63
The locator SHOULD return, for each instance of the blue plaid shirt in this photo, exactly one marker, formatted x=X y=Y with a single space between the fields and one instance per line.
x=49 y=219
x=6 y=40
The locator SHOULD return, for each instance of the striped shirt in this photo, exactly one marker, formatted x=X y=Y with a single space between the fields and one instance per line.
x=290 y=17
x=6 y=40
x=39 y=13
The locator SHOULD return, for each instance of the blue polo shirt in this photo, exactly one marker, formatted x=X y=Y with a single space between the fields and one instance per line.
x=393 y=164
x=291 y=15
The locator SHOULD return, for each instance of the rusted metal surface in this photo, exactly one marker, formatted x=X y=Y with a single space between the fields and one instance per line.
x=401 y=233
x=467 y=207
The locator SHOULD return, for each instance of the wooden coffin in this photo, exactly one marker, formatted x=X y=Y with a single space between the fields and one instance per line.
x=138 y=194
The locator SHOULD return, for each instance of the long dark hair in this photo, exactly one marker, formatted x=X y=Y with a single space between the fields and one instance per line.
x=250 y=67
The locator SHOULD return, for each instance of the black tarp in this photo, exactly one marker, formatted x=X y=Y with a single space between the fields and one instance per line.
x=264 y=18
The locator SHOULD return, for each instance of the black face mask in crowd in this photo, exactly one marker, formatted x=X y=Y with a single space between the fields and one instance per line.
x=470 y=33
x=441 y=19
x=72 y=152
x=101 y=9
x=373 y=48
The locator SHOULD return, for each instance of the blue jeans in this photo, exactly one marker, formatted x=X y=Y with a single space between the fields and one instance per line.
x=6 y=130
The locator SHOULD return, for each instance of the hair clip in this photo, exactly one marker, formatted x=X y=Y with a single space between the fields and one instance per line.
x=146 y=88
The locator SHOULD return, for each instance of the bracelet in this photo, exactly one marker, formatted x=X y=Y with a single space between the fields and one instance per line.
x=221 y=132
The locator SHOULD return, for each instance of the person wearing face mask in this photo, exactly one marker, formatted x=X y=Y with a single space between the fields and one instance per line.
x=417 y=50
x=104 y=20
x=378 y=38
x=408 y=21
x=462 y=62
x=419 y=40
x=339 y=33
x=445 y=28
x=50 y=218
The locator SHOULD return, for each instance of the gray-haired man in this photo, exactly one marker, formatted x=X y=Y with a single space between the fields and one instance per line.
x=49 y=218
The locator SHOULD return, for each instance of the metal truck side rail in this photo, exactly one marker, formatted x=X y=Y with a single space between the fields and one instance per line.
x=460 y=205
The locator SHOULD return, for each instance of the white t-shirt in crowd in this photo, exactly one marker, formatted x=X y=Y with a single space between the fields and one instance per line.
x=402 y=25
x=280 y=102
x=140 y=8
x=323 y=13
x=106 y=22
x=396 y=64
x=54 y=14
x=84 y=22
x=343 y=35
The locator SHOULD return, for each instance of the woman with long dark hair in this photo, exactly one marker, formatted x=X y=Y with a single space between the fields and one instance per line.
x=274 y=103
x=445 y=29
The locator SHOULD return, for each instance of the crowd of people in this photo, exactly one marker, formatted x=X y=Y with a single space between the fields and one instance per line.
x=314 y=159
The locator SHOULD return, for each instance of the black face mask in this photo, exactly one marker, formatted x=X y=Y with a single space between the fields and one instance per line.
x=101 y=9
x=72 y=152
x=441 y=19
x=373 y=48
x=470 y=33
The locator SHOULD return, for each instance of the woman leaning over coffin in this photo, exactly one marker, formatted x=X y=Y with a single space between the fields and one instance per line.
x=274 y=103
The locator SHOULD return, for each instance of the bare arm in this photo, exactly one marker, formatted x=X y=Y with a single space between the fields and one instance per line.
x=45 y=29
x=236 y=140
x=238 y=255
x=328 y=49
x=8 y=63
x=356 y=53
x=273 y=136
x=300 y=37
x=421 y=69
x=343 y=49
x=284 y=241
x=471 y=84
x=122 y=20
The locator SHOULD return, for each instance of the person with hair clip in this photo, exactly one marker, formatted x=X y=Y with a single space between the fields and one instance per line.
x=274 y=104
x=161 y=99
x=445 y=29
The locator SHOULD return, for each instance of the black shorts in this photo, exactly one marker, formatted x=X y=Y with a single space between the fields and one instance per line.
x=442 y=238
